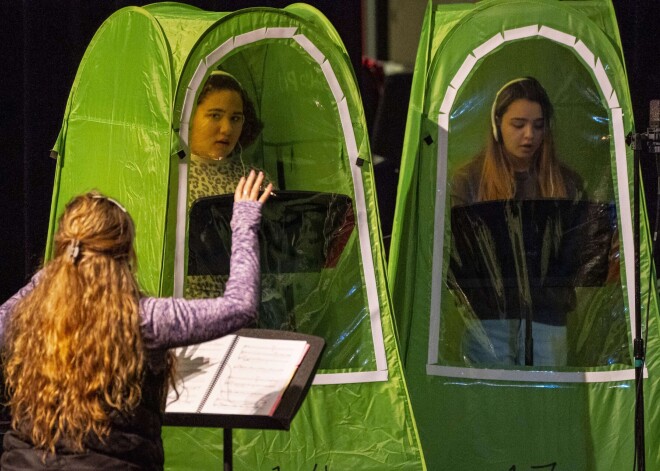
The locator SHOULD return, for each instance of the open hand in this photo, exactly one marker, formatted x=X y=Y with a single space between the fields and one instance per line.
x=248 y=188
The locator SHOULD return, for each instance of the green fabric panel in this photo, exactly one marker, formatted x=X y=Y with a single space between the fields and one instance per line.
x=182 y=25
x=118 y=136
x=321 y=435
x=476 y=424
x=312 y=16
x=302 y=148
x=117 y=130
x=405 y=223
x=303 y=137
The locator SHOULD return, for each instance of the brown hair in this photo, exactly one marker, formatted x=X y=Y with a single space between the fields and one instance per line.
x=497 y=176
x=252 y=126
x=73 y=350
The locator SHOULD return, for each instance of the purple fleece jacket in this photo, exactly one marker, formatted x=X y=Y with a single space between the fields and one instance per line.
x=175 y=322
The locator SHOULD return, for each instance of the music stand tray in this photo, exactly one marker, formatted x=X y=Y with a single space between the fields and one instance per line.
x=290 y=402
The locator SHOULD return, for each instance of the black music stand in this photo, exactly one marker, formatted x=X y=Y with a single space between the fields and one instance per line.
x=301 y=232
x=499 y=246
x=291 y=400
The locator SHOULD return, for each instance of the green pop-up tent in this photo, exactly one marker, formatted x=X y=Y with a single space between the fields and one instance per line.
x=125 y=133
x=447 y=263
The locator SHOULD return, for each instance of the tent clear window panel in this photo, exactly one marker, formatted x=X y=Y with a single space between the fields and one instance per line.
x=526 y=259
x=312 y=275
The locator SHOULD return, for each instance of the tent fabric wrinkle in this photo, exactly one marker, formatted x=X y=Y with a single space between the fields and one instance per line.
x=126 y=133
x=467 y=280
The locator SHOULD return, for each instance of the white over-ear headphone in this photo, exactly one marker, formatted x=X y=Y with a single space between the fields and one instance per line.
x=497 y=95
x=226 y=74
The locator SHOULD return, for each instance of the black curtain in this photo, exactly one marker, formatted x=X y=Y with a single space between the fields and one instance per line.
x=639 y=21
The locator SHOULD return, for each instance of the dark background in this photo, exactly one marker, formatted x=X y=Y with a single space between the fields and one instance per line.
x=42 y=44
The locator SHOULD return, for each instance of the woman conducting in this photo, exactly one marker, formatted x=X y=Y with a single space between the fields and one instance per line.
x=85 y=354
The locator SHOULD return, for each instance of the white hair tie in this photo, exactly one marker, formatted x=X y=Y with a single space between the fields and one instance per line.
x=73 y=250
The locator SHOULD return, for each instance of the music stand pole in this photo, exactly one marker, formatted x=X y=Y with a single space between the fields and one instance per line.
x=638 y=342
x=227 y=450
x=529 y=339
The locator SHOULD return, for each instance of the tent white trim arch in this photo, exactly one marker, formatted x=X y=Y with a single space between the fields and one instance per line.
x=594 y=64
x=215 y=56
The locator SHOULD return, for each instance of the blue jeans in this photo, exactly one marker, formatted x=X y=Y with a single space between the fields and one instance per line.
x=501 y=342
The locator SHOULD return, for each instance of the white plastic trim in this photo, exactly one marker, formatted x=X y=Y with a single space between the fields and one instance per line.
x=469 y=62
x=488 y=46
x=249 y=37
x=348 y=378
x=603 y=81
x=557 y=36
x=521 y=33
x=585 y=53
x=381 y=372
x=180 y=230
x=280 y=33
x=310 y=48
x=448 y=100
x=438 y=230
x=533 y=376
x=213 y=58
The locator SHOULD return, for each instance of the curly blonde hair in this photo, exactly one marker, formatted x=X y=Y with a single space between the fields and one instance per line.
x=73 y=351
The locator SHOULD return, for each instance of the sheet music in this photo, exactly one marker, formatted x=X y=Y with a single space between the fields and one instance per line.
x=251 y=382
x=255 y=376
x=195 y=368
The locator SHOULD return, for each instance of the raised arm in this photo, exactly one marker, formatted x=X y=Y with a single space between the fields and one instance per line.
x=173 y=322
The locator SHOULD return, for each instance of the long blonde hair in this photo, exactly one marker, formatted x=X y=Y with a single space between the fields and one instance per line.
x=497 y=176
x=73 y=350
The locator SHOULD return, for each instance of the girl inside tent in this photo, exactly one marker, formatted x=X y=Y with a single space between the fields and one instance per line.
x=225 y=121
x=519 y=163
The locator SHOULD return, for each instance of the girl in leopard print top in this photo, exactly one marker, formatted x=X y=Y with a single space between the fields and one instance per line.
x=224 y=120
